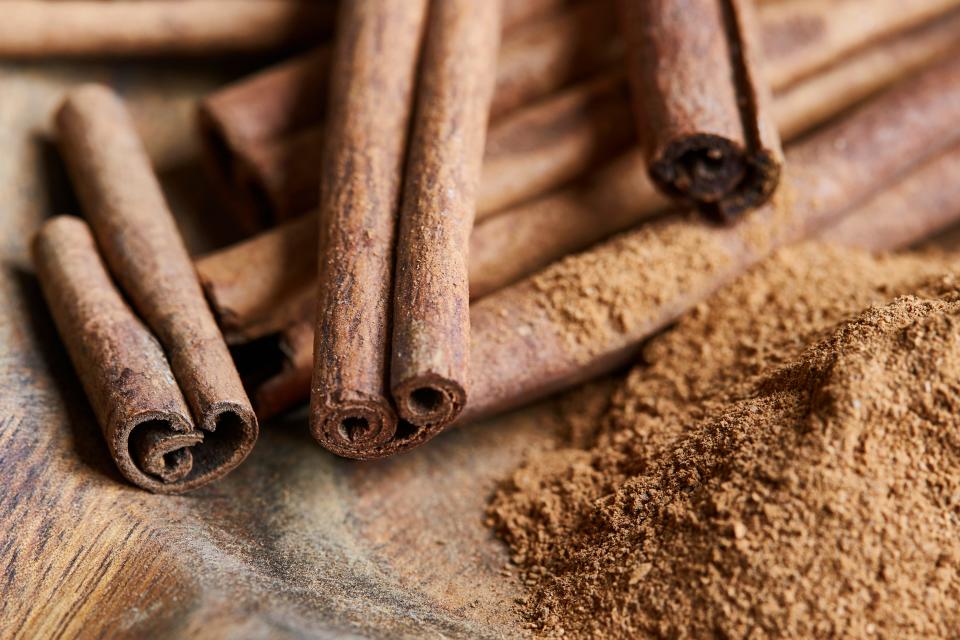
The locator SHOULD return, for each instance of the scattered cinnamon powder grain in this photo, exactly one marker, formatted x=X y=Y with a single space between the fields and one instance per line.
x=786 y=463
x=595 y=295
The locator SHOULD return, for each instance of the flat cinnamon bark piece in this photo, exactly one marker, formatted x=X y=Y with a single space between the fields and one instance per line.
x=257 y=287
x=374 y=62
x=431 y=305
x=39 y=29
x=700 y=107
x=126 y=377
x=590 y=313
x=142 y=247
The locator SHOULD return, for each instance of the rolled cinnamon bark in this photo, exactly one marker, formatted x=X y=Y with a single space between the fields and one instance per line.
x=40 y=29
x=258 y=286
x=924 y=202
x=141 y=245
x=700 y=107
x=262 y=136
x=374 y=61
x=801 y=33
x=589 y=313
x=140 y=408
x=431 y=303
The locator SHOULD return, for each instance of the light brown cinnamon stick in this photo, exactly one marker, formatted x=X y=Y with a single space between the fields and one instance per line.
x=431 y=324
x=257 y=286
x=127 y=379
x=804 y=31
x=373 y=65
x=40 y=29
x=590 y=313
x=918 y=206
x=700 y=107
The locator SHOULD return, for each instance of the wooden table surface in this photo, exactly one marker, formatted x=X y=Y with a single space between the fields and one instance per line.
x=294 y=543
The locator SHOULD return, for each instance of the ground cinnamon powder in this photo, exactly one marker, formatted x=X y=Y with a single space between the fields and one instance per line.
x=784 y=463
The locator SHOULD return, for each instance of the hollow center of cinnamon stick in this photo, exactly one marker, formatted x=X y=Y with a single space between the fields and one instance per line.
x=354 y=428
x=426 y=400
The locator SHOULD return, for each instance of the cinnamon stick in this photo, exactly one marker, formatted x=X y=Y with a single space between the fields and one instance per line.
x=263 y=135
x=40 y=29
x=700 y=107
x=371 y=91
x=589 y=313
x=917 y=207
x=144 y=418
x=794 y=37
x=258 y=286
x=431 y=324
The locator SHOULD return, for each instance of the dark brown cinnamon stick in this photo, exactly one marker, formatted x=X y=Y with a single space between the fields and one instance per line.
x=431 y=324
x=590 y=313
x=700 y=107
x=371 y=92
x=40 y=29
x=258 y=286
x=799 y=38
x=124 y=372
x=262 y=135
x=141 y=245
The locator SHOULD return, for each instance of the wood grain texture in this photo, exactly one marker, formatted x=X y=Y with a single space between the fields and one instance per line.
x=295 y=543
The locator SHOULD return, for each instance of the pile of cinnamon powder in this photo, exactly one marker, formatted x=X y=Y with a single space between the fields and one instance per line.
x=785 y=462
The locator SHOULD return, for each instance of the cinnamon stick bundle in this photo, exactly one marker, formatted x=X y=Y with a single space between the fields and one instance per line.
x=431 y=324
x=374 y=61
x=258 y=286
x=590 y=313
x=139 y=241
x=263 y=135
x=798 y=38
x=42 y=29
x=699 y=105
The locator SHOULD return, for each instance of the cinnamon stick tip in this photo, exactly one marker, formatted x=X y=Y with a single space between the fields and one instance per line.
x=718 y=174
x=355 y=429
x=429 y=400
x=88 y=96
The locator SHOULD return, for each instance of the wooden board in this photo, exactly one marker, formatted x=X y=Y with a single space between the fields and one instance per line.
x=295 y=543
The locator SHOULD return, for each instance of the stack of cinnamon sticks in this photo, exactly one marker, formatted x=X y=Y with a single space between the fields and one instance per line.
x=621 y=162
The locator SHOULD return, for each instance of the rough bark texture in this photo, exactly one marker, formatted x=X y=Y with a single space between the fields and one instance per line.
x=431 y=309
x=126 y=376
x=700 y=107
x=258 y=286
x=572 y=321
x=140 y=243
x=32 y=29
x=371 y=96
x=798 y=39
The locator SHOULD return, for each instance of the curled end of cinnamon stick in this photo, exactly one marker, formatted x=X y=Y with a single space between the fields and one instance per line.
x=159 y=445
x=359 y=428
x=719 y=174
x=429 y=401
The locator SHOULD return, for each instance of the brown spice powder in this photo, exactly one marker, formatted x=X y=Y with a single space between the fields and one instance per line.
x=786 y=463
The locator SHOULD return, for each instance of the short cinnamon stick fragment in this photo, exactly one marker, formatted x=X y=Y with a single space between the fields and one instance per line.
x=41 y=29
x=700 y=104
x=141 y=245
x=590 y=313
x=431 y=305
x=371 y=96
x=124 y=372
